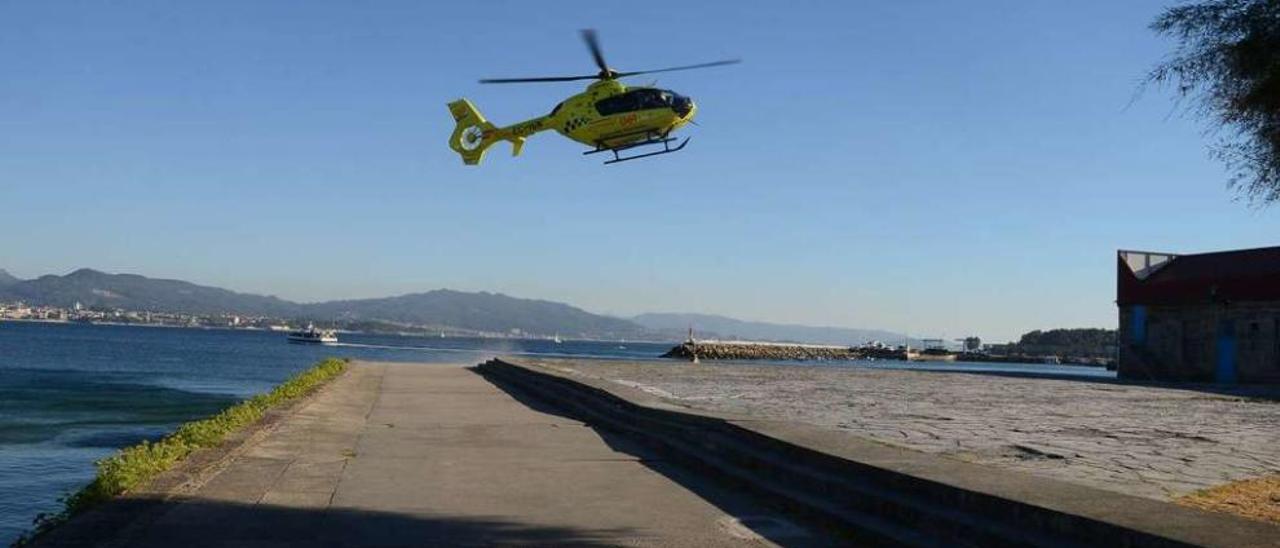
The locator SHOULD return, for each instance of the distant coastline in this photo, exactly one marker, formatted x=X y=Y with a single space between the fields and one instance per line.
x=87 y=295
x=697 y=350
x=408 y=334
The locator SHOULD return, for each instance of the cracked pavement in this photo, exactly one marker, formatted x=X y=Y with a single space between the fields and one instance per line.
x=1158 y=442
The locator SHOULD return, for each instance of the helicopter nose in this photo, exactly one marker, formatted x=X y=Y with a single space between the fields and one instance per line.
x=684 y=107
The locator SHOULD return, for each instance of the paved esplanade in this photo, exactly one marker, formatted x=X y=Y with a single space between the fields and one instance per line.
x=425 y=454
x=1155 y=441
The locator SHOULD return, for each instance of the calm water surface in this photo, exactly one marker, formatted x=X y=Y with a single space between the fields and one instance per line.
x=71 y=393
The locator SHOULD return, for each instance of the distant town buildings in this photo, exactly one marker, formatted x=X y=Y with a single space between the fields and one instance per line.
x=1209 y=317
x=79 y=313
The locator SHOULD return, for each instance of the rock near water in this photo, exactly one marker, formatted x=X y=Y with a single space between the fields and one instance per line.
x=748 y=351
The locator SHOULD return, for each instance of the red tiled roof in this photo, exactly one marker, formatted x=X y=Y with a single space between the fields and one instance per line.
x=1226 y=276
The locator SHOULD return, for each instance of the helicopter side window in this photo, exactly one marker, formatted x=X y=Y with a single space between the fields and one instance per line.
x=640 y=99
x=624 y=102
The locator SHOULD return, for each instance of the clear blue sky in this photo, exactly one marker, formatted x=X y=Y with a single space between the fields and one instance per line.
x=942 y=168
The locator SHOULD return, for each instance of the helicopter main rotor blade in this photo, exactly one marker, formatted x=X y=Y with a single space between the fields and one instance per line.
x=686 y=67
x=593 y=44
x=538 y=79
x=606 y=73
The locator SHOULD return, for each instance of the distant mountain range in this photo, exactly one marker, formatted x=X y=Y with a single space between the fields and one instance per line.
x=441 y=308
x=493 y=312
x=487 y=312
x=710 y=326
x=92 y=288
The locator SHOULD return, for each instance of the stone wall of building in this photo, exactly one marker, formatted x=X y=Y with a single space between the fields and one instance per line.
x=1182 y=343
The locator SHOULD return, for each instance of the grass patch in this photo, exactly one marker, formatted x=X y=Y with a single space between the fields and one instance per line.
x=134 y=466
x=1257 y=498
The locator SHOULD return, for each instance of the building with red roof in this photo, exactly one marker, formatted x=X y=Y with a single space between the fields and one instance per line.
x=1207 y=317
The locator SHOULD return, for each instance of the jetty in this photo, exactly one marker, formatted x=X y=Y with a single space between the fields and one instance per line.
x=430 y=455
x=518 y=451
x=749 y=350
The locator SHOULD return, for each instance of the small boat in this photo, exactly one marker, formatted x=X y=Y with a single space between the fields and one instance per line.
x=311 y=335
x=931 y=355
x=557 y=339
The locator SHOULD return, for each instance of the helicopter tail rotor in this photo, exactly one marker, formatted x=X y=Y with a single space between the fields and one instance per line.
x=473 y=135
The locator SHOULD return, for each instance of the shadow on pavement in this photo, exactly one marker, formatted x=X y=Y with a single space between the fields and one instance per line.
x=201 y=522
x=758 y=517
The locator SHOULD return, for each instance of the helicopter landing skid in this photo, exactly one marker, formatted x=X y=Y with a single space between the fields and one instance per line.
x=654 y=139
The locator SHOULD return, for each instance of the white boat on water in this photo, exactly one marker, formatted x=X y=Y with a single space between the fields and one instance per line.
x=311 y=335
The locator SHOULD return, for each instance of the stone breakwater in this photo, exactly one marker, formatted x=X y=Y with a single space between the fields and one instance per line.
x=758 y=351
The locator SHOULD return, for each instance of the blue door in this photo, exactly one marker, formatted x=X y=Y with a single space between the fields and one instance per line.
x=1138 y=325
x=1226 y=370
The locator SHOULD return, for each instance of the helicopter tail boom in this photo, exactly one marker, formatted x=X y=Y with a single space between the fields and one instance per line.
x=473 y=135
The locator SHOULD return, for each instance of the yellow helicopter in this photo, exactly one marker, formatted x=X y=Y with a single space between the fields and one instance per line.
x=608 y=116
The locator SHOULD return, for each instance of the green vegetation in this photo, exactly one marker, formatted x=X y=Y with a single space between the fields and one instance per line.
x=135 y=466
x=1086 y=342
x=1083 y=337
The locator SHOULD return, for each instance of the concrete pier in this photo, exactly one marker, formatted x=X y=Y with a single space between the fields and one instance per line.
x=426 y=454
x=544 y=452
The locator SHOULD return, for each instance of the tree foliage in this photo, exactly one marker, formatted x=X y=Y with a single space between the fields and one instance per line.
x=1083 y=337
x=1083 y=342
x=1228 y=59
